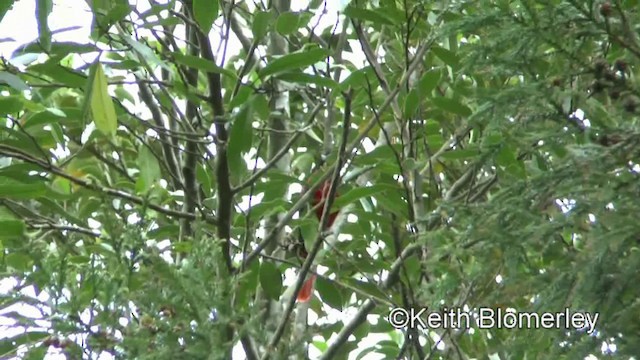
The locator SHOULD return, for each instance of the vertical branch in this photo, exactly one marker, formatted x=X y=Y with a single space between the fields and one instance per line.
x=191 y=146
x=167 y=149
x=279 y=106
x=225 y=195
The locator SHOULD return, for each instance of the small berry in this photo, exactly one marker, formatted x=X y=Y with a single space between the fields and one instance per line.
x=605 y=9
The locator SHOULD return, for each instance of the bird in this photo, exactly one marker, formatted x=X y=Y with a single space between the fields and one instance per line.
x=319 y=197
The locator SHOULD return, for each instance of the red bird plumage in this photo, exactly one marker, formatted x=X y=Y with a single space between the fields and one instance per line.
x=319 y=196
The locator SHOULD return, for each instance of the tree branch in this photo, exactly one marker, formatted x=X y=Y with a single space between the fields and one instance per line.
x=169 y=154
x=369 y=305
x=225 y=195
x=321 y=233
x=283 y=151
x=19 y=154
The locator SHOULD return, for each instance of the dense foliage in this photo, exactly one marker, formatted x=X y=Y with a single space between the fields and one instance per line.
x=156 y=175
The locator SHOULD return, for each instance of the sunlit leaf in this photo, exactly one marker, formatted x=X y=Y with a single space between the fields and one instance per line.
x=205 y=12
x=451 y=106
x=303 y=78
x=260 y=24
x=240 y=137
x=11 y=228
x=367 y=15
x=287 y=23
x=447 y=56
x=43 y=9
x=13 y=189
x=13 y=81
x=102 y=109
x=271 y=280
x=296 y=60
x=5 y=6
x=19 y=261
x=329 y=293
x=146 y=52
x=149 y=168
x=10 y=104
x=200 y=64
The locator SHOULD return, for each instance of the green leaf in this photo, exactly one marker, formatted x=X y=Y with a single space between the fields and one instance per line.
x=10 y=104
x=149 y=168
x=599 y=115
x=205 y=12
x=241 y=97
x=248 y=282
x=320 y=345
x=309 y=231
x=102 y=109
x=447 y=56
x=507 y=158
x=147 y=54
x=60 y=48
x=460 y=154
x=428 y=82
x=9 y=345
x=393 y=14
x=451 y=106
x=164 y=232
x=43 y=9
x=13 y=81
x=395 y=204
x=266 y=208
x=19 y=261
x=329 y=293
x=204 y=179
x=366 y=15
x=411 y=103
x=55 y=207
x=303 y=163
x=11 y=228
x=358 y=193
x=69 y=77
x=287 y=23
x=271 y=280
x=199 y=63
x=48 y=116
x=4 y=7
x=296 y=60
x=302 y=78
x=260 y=25
x=240 y=137
x=359 y=78
x=36 y=353
x=18 y=190
x=368 y=288
x=116 y=13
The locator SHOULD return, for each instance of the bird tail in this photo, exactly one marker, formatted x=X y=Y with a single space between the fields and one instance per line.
x=307 y=290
